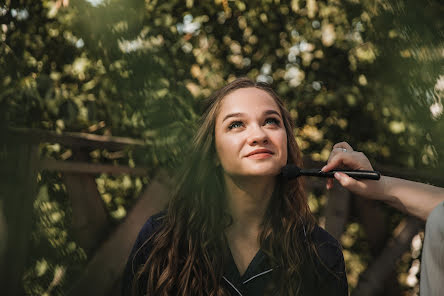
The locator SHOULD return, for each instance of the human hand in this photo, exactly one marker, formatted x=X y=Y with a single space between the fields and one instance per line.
x=344 y=157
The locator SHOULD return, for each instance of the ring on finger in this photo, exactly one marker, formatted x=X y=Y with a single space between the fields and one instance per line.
x=343 y=149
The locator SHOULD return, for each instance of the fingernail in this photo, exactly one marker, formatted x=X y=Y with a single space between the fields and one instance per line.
x=323 y=168
x=338 y=175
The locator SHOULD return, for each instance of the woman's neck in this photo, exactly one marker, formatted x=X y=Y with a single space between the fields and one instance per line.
x=247 y=200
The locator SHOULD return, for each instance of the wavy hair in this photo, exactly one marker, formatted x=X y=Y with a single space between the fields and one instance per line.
x=188 y=252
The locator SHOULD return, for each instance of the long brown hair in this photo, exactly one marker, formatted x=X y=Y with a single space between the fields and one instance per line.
x=185 y=257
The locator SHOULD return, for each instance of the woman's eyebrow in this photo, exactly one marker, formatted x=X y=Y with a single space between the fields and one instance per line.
x=233 y=115
x=267 y=112
x=237 y=114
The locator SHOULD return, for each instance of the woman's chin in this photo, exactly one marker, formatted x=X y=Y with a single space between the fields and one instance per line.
x=258 y=171
x=271 y=172
x=266 y=169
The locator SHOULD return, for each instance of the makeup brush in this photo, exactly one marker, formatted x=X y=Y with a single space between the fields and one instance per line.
x=291 y=171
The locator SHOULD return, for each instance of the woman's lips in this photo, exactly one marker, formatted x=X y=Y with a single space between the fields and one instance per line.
x=260 y=154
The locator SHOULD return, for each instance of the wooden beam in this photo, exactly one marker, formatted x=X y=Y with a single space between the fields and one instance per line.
x=89 y=168
x=18 y=190
x=89 y=215
x=73 y=139
x=107 y=265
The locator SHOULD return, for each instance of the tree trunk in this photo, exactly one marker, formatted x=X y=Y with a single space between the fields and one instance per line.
x=371 y=282
x=337 y=210
x=373 y=220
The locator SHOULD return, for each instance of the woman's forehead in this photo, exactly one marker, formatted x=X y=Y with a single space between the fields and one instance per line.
x=247 y=100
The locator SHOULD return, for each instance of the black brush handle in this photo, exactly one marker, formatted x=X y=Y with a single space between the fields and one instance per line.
x=355 y=174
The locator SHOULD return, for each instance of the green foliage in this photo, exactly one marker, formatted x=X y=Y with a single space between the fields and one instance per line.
x=116 y=191
x=55 y=256
x=368 y=72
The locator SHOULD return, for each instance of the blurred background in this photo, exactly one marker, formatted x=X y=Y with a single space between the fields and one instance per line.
x=100 y=98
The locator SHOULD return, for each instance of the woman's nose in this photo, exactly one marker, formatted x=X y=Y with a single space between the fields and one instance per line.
x=257 y=136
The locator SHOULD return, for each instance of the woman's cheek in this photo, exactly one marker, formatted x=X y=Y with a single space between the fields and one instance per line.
x=225 y=150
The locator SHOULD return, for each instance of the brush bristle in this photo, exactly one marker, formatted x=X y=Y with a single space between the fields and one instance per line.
x=290 y=171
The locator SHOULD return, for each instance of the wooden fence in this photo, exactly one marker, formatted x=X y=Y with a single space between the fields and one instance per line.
x=109 y=254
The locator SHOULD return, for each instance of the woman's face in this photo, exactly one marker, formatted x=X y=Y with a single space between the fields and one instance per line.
x=250 y=135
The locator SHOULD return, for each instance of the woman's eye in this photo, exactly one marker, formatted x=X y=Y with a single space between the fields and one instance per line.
x=273 y=121
x=235 y=124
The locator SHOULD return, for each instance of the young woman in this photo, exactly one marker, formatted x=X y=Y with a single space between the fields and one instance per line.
x=233 y=226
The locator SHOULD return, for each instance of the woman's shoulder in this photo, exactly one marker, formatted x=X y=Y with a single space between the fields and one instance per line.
x=321 y=237
x=140 y=251
x=329 y=263
x=329 y=249
x=151 y=225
